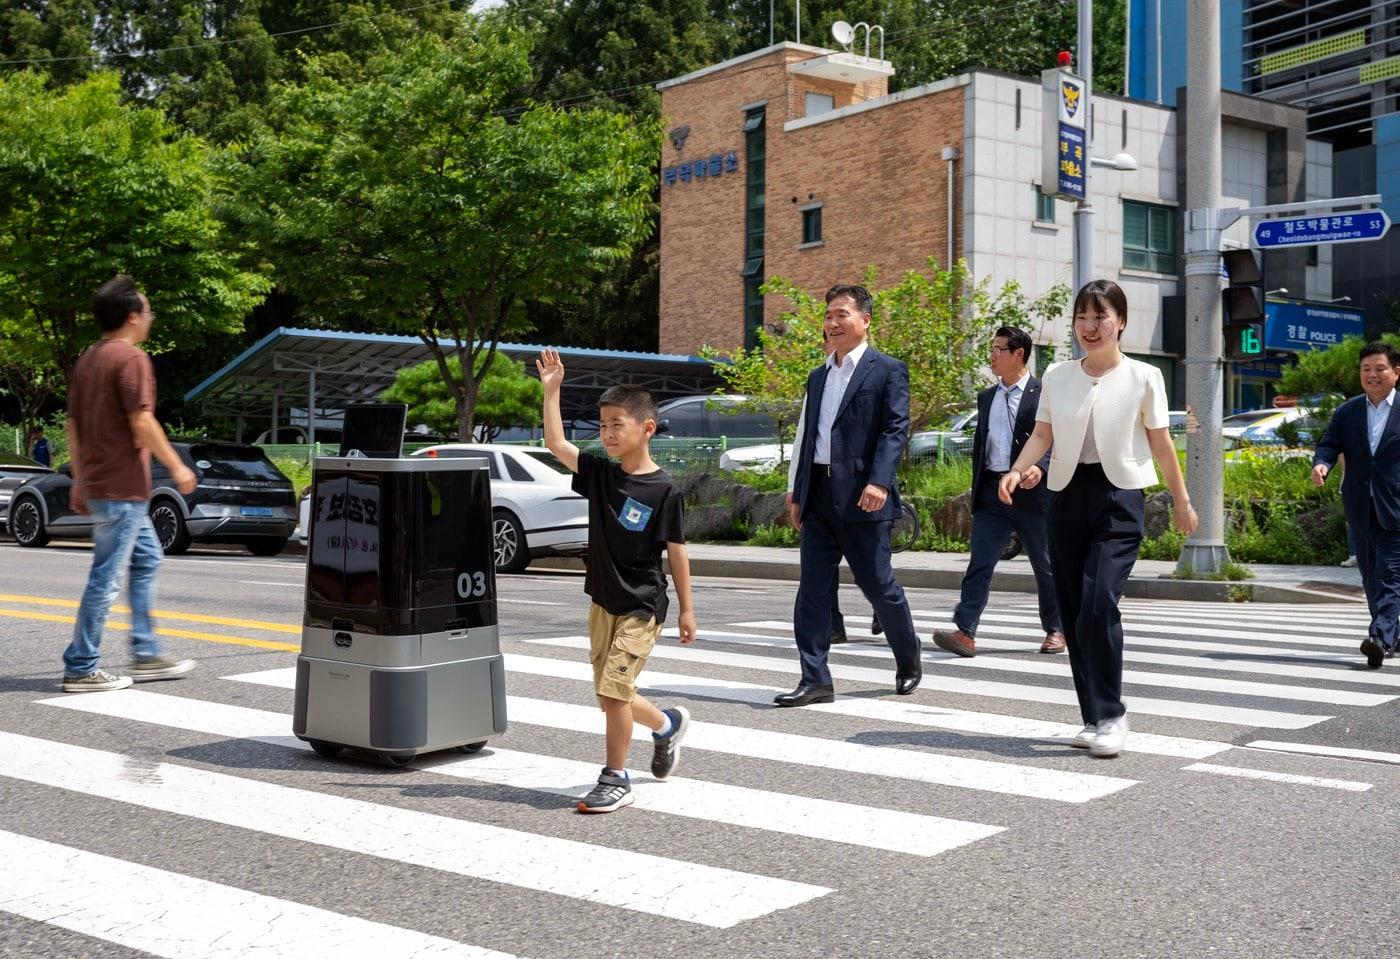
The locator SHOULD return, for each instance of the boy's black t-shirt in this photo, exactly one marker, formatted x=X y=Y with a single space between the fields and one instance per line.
x=631 y=518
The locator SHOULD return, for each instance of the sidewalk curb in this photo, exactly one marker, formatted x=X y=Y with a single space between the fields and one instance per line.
x=1139 y=587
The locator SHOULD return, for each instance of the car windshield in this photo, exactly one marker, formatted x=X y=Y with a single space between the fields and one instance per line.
x=548 y=459
x=1249 y=418
x=14 y=459
x=234 y=463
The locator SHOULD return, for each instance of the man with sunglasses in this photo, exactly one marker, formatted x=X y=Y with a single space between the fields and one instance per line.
x=1005 y=418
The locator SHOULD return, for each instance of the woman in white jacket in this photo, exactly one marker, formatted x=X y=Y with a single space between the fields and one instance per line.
x=1105 y=418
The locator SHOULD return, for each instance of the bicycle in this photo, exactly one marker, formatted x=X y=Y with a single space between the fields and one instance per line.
x=906 y=529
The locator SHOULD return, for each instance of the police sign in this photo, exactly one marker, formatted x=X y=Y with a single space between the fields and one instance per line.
x=1064 y=144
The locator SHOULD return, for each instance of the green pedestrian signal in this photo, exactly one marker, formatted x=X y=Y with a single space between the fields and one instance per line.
x=1245 y=341
x=1251 y=343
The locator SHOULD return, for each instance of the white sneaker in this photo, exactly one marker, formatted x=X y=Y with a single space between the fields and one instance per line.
x=1349 y=562
x=1085 y=737
x=1112 y=735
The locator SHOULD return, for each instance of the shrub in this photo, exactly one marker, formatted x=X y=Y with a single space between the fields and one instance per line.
x=773 y=536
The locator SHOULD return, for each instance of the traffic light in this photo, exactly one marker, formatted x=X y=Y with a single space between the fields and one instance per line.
x=1244 y=305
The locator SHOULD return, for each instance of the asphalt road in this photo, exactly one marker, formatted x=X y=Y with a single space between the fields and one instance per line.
x=179 y=819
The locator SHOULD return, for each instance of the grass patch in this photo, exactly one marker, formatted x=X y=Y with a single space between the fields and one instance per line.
x=773 y=535
x=1231 y=572
x=296 y=469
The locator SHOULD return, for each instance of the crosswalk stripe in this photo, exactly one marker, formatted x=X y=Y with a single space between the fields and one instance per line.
x=979 y=774
x=891 y=711
x=786 y=813
x=180 y=917
x=1242 y=773
x=1344 y=671
x=1133 y=627
x=1338 y=752
x=1235 y=715
x=706 y=895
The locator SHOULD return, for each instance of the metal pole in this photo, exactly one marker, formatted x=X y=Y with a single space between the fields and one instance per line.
x=1084 y=210
x=799 y=21
x=1127 y=45
x=770 y=22
x=311 y=417
x=272 y=437
x=1157 y=5
x=1204 y=551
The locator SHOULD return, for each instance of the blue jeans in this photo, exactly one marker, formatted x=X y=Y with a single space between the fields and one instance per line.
x=122 y=536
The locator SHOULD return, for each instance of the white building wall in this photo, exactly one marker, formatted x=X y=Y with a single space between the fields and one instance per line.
x=1002 y=238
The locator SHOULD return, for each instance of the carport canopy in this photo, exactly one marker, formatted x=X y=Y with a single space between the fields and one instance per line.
x=326 y=371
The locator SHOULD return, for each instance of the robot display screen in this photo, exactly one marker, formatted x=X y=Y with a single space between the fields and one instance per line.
x=374 y=429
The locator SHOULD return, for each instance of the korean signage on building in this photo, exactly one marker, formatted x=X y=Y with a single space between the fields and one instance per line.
x=1298 y=327
x=1064 y=143
x=712 y=166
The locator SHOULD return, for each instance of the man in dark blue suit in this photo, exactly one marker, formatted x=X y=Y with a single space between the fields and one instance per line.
x=1366 y=429
x=1005 y=419
x=845 y=498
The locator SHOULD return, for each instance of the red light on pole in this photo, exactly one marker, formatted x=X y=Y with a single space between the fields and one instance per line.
x=1065 y=59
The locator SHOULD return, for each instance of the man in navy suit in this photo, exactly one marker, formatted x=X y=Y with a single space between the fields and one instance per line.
x=1005 y=419
x=1366 y=430
x=844 y=497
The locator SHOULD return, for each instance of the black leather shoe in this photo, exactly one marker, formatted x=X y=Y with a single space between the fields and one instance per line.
x=906 y=681
x=806 y=695
x=838 y=636
x=1375 y=652
x=875 y=628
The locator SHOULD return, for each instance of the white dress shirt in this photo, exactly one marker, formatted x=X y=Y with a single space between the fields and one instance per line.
x=1376 y=417
x=1001 y=423
x=838 y=377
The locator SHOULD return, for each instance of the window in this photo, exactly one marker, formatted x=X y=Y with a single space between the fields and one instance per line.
x=1149 y=237
x=685 y=419
x=548 y=459
x=1044 y=206
x=811 y=225
x=819 y=103
x=755 y=211
x=517 y=472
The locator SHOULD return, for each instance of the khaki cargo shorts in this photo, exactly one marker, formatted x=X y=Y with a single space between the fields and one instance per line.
x=618 y=649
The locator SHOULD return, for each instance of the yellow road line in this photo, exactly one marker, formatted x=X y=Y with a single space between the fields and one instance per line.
x=258 y=624
x=161 y=631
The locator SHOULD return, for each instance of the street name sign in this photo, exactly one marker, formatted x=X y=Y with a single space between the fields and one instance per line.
x=1354 y=227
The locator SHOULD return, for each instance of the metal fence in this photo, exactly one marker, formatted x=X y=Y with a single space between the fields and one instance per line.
x=673 y=453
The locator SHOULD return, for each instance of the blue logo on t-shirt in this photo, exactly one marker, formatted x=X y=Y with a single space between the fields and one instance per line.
x=634 y=515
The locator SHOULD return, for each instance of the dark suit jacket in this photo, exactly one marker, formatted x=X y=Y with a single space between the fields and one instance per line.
x=1032 y=500
x=1368 y=478
x=867 y=438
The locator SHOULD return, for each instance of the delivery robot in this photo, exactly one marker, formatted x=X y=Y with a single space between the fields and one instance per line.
x=400 y=653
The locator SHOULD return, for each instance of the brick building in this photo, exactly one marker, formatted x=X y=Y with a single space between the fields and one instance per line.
x=795 y=161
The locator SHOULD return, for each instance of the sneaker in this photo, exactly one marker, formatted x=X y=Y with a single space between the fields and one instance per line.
x=159 y=667
x=1085 y=737
x=668 y=748
x=1349 y=562
x=610 y=795
x=97 y=681
x=1112 y=735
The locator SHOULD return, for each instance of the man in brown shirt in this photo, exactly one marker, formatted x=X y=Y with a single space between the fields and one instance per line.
x=112 y=432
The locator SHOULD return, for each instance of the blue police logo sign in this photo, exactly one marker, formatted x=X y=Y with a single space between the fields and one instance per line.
x=1070 y=92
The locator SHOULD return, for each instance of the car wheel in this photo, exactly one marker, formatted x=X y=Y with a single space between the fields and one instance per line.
x=170 y=527
x=326 y=750
x=470 y=748
x=265 y=545
x=512 y=552
x=27 y=522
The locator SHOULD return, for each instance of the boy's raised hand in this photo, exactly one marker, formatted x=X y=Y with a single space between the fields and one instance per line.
x=551 y=369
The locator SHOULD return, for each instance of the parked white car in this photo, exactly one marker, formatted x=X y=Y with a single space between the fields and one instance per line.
x=767 y=456
x=535 y=509
x=1253 y=422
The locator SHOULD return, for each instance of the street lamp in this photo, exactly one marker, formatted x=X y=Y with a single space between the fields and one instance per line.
x=1338 y=299
x=1281 y=291
x=1120 y=161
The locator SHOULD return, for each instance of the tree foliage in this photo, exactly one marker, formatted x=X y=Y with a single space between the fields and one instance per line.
x=508 y=396
x=415 y=199
x=939 y=323
x=89 y=188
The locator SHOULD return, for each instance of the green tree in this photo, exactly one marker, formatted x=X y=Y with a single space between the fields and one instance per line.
x=416 y=200
x=1325 y=377
x=773 y=373
x=90 y=188
x=940 y=323
x=508 y=396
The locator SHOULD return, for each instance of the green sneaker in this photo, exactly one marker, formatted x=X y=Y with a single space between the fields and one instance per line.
x=159 y=667
x=97 y=681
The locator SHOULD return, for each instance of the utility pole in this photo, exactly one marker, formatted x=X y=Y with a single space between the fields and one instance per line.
x=1205 y=550
x=1084 y=209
